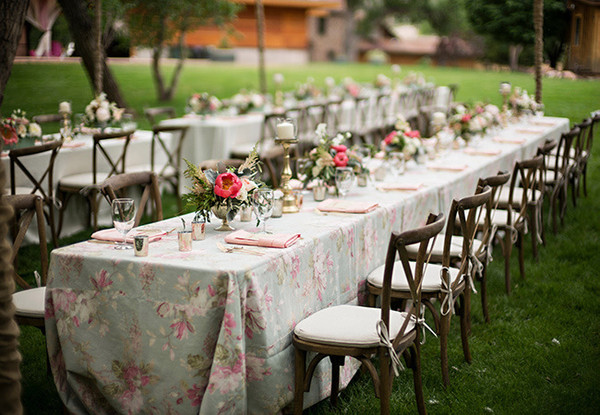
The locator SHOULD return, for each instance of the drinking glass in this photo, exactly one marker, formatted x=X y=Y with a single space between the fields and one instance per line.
x=344 y=176
x=123 y=216
x=262 y=200
x=397 y=163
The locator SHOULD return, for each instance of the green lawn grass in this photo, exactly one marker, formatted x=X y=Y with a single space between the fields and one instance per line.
x=540 y=354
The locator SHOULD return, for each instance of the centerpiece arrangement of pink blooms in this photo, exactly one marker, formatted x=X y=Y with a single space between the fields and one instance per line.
x=101 y=113
x=203 y=104
x=403 y=139
x=382 y=81
x=232 y=189
x=520 y=103
x=352 y=87
x=245 y=101
x=17 y=127
x=468 y=122
x=320 y=163
x=307 y=90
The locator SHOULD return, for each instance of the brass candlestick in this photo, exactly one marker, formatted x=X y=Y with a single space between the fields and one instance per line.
x=290 y=204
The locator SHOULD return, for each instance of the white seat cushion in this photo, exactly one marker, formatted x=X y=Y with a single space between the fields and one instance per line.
x=23 y=190
x=500 y=217
x=30 y=303
x=169 y=171
x=455 y=246
x=82 y=179
x=349 y=325
x=517 y=196
x=431 y=283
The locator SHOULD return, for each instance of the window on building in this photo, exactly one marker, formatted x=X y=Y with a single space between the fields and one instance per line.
x=322 y=25
x=577 y=30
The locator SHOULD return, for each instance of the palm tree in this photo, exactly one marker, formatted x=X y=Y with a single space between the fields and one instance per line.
x=538 y=25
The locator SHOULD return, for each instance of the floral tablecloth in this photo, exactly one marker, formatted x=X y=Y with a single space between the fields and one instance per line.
x=210 y=332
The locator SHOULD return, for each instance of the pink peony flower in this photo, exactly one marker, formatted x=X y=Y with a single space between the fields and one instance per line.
x=390 y=137
x=227 y=185
x=466 y=118
x=340 y=160
x=413 y=134
x=9 y=134
x=340 y=149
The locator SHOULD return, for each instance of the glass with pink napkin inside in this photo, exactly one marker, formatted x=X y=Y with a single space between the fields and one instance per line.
x=274 y=240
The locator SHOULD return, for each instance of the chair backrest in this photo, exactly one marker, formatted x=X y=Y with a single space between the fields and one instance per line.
x=172 y=152
x=114 y=185
x=25 y=207
x=220 y=166
x=560 y=163
x=153 y=114
x=333 y=115
x=116 y=164
x=495 y=183
x=465 y=213
x=585 y=128
x=16 y=161
x=593 y=129
x=397 y=247
x=530 y=175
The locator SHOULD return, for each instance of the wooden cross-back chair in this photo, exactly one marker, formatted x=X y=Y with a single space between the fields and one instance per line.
x=360 y=126
x=444 y=283
x=157 y=113
x=29 y=301
x=333 y=115
x=220 y=166
x=587 y=149
x=86 y=184
x=116 y=186
x=18 y=163
x=359 y=332
x=580 y=157
x=408 y=107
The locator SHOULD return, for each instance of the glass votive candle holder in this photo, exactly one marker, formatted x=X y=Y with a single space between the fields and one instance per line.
x=277 y=207
x=198 y=230
x=184 y=238
x=140 y=245
x=246 y=214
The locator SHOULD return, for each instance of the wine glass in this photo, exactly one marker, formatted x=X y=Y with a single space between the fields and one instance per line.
x=123 y=215
x=344 y=176
x=262 y=200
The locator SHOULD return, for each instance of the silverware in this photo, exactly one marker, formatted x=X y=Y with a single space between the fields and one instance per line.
x=240 y=249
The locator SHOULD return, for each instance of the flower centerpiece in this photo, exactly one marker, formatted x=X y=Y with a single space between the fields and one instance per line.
x=351 y=87
x=17 y=127
x=203 y=104
x=382 y=81
x=224 y=194
x=100 y=113
x=521 y=103
x=463 y=123
x=330 y=153
x=403 y=140
x=245 y=101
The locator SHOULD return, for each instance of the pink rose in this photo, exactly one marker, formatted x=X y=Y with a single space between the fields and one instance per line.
x=227 y=185
x=466 y=118
x=340 y=160
x=390 y=137
x=9 y=134
x=413 y=134
x=340 y=149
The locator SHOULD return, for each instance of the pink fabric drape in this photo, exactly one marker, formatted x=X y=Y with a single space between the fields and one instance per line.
x=42 y=14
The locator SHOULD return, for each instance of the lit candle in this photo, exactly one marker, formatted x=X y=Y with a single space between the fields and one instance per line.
x=285 y=130
x=64 y=107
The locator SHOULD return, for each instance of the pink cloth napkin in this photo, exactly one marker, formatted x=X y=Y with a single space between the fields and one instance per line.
x=346 y=206
x=400 y=186
x=448 y=167
x=544 y=123
x=529 y=131
x=115 y=236
x=508 y=140
x=482 y=152
x=72 y=144
x=276 y=240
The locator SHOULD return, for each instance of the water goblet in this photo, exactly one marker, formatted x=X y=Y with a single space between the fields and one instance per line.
x=262 y=200
x=123 y=216
x=344 y=176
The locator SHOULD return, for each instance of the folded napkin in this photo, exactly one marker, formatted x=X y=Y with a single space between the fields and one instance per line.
x=115 y=236
x=529 y=131
x=508 y=140
x=276 y=240
x=72 y=144
x=346 y=206
x=448 y=167
x=482 y=152
x=544 y=123
x=399 y=186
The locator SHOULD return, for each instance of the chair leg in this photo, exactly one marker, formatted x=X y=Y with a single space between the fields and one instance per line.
x=533 y=225
x=385 y=386
x=584 y=175
x=483 y=291
x=521 y=243
x=300 y=366
x=507 y=251
x=467 y=308
x=336 y=362
x=444 y=330
x=64 y=201
x=415 y=352
x=464 y=329
x=553 y=208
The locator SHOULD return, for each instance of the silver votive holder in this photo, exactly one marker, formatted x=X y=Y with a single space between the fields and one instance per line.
x=246 y=214
x=198 y=230
x=184 y=238
x=140 y=245
x=277 y=208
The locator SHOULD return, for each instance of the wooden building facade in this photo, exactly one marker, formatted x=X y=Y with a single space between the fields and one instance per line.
x=584 y=42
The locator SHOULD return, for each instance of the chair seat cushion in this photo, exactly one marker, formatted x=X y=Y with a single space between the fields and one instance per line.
x=168 y=172
x=500 y=217
x=517 y=196
x=349 y=325
x=432 y=281
x=551 y=176
x=23 y=190
x=82 y=179
x=455 y=246
x=30 y=303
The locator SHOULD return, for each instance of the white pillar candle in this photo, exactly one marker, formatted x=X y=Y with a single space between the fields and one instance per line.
x=285 y=130
x=505 y=88
x=64 y=107
x=439 y=118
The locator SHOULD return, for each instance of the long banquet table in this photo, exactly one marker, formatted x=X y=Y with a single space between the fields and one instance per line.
x=210 y=332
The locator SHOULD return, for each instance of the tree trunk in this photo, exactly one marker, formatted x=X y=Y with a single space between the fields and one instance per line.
x=11 y=33
x=81 y=27
x=169 y=93
x=538 y=24
x=10 y=359
x=513 y=55
x=99 y=58
x=260 y=29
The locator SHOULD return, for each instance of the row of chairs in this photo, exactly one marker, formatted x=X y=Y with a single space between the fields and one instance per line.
x=422 y=269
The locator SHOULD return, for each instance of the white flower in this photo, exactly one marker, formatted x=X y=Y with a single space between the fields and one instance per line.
x=278 y=78
x=321 y=131
x=339 y=139
x=102 y=114
x=21 y=130
x=460 y=109
x=35 y=130
x=330 y=82
x=257 y=100
x=247 y=186
x=64 y=107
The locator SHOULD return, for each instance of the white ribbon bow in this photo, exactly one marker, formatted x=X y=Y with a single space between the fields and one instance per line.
x=384 y=340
